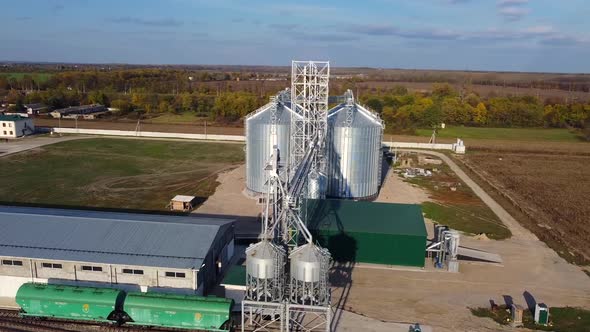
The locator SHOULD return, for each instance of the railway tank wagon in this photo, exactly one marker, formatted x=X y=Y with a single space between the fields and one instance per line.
x=179 y=311
x=354 y=152
x=113 y=306
x=70 y=302
x=260 y=142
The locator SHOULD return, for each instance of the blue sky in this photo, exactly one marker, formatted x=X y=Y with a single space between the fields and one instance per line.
x=512 y=35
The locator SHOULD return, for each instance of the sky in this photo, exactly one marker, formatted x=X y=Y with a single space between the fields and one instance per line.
x=495 y=35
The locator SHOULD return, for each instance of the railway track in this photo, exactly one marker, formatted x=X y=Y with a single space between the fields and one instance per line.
x=10 y=321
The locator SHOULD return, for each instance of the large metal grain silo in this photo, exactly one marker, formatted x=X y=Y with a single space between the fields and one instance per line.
x=354 y=152
x=260 y=142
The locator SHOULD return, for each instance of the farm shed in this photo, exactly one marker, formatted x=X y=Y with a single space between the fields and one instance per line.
x=138 y=252
x=36 y=109
x=76 y=111
x=368 y=232
x=182 y=203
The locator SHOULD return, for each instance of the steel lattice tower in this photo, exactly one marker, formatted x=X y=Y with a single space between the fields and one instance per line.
x=290 y=300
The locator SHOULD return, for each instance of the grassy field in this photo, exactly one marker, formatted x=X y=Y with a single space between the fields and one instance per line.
x=115 y=173
x=39 y=77
x=512 y=134
x=454 y=204
x=564 y=319
x=472 y=219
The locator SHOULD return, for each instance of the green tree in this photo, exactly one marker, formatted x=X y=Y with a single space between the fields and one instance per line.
x=443 y=90
x=123 y=105
x=455 y=111
x=187 y=101
x=205 y=104
x=551 y=116
x=164 y=107
x=399 y=90
x=99 y=97
x=375 y=104
x=231 y=106
x=18 y=107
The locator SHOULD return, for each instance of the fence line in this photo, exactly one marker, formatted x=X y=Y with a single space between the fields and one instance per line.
x=455 y=147
x=152 y=134
x=235 y=138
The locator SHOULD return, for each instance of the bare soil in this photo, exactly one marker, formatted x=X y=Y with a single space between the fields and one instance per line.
x=553 y=190
x=481 y=90
x=442 y=300
x=380 y=297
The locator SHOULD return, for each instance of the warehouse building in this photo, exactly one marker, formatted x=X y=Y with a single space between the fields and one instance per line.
x=14 y=126
x=36 y=109
x=355 y=232
x=127 y=251
x=368 y=232
x=86 y=111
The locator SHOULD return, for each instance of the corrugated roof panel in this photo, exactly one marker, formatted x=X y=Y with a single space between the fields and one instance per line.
x=104 y=237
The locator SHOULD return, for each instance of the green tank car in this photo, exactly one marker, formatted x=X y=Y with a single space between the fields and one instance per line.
x=179 y=311
x=70 y=302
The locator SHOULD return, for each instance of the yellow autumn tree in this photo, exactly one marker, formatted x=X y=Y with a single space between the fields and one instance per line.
x=480 y=114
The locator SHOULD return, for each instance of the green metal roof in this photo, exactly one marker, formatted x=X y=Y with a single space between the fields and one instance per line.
x=365 y=217
x=12 y=118
x=235 y=275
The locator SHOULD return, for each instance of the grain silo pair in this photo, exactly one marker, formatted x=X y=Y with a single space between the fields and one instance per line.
x=354 y=157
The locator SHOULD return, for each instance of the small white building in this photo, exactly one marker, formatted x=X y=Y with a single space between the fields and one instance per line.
x=14 y=126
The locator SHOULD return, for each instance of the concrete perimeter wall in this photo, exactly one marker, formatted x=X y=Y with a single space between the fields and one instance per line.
x=457 y=148
x=149 y=134
x=407 y=145
x=234 y=138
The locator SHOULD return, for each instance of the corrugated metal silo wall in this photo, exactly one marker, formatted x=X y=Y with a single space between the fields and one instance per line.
x=259 y=145
x=354 y=161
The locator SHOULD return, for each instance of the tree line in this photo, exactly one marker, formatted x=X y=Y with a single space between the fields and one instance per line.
x=402 y=110
x=152 y=80
x=221 y=96
x=222 y=107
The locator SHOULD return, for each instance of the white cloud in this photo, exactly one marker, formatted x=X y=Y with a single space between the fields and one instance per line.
x=513 y=13
x=503 y=3
x=513 y=10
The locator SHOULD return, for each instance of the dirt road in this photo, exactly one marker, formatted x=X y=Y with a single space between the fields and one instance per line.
x=530 y=270
x=27 y=143
x=517 y=230
x=437 y=299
